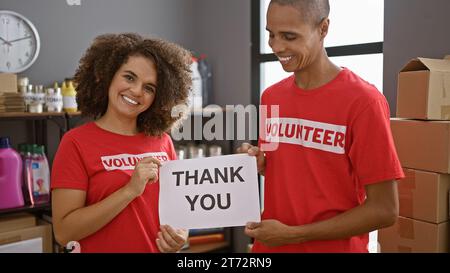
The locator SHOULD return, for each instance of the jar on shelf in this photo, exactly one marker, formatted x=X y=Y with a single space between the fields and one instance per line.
x=215 y=150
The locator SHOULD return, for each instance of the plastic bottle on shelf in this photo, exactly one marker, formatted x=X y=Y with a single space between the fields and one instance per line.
x=40 y=94
x=28 y=97
x=38 y=100
x=54 y=100
x=41 y=176
x=69 y=96
x=10 y=176
x=215 y=150
x=27 y=173
x=195 y=98
x=23 y=148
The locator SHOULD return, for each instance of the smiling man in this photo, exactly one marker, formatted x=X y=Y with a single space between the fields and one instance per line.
x=332 y=178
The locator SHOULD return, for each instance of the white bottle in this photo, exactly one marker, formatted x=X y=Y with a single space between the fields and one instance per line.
x=196 y=99
x=54 y=100
x=28 y=97
x=38 y=100
x=40 y=94
x=41 y=176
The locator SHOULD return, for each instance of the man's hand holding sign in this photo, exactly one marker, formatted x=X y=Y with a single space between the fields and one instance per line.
x=266 y=231
x=209 y=192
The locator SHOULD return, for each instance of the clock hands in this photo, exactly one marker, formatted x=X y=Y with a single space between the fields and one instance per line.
x=9 y=43
x=13 y=41
x=5 y=42
x=16 y=40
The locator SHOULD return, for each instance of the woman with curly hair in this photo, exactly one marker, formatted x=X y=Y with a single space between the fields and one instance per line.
x=104 y=190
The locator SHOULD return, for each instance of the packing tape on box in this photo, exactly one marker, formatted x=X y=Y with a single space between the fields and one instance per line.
x=407 y=186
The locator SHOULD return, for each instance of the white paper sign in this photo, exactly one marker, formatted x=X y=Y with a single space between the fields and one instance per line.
x=219 y=191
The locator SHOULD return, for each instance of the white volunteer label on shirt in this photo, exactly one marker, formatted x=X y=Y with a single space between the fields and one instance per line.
x=128 y=161
x=209 y=192
x=307 y=133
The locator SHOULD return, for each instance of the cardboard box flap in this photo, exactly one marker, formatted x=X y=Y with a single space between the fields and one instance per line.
x=420 y=64
x=414 y=65
x=436 y=64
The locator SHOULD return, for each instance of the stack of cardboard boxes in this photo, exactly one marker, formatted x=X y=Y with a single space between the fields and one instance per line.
x=10 y=99
x=421 y=133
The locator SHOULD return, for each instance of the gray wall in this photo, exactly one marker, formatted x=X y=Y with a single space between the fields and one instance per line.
x=66 y=31
x=223 y=33
x=412 y=28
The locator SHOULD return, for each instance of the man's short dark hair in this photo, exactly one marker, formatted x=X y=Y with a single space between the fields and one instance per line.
x=314 y=11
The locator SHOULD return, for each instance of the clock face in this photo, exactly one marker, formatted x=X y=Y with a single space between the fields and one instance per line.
x=19 y=42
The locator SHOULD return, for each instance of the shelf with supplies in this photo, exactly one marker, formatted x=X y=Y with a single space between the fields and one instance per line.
x=26 y=115
x=209 y=240
x=39 y=132
x=28 y=208
x=208 y=247
x=38 y=116
x=38 y=122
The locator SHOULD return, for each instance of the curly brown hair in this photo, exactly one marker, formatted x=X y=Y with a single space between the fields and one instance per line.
x=109 y=52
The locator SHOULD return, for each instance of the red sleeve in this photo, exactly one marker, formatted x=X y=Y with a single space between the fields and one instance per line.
x=372 y=151
x=68 y=169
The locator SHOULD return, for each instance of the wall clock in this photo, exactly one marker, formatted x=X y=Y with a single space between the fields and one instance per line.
x=19 y=42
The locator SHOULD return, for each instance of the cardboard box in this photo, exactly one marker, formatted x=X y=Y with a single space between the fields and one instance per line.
x=16 y=221
x=409 y=235
x=43 y=230
x=8 y=83
x=422 y=145
x=424 y=90
x=424 y=196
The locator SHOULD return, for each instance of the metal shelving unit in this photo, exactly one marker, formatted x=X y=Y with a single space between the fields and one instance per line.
x=38 y=122
x=28 y=208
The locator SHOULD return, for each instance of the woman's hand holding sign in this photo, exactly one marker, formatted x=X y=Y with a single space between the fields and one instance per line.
x=171 y=240
x=146 y=171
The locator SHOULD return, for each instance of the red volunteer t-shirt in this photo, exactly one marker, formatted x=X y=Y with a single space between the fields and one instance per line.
x=101 y=162
x=332 y=141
